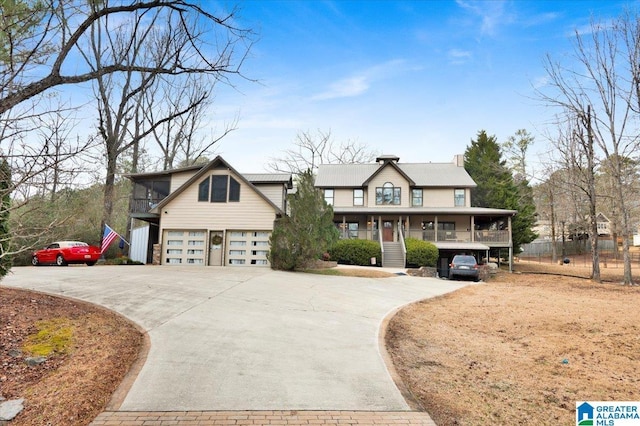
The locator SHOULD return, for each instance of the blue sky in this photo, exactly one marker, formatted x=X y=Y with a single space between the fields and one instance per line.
x=417 y=79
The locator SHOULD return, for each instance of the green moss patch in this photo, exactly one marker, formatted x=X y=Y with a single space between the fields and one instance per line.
x=53 y=336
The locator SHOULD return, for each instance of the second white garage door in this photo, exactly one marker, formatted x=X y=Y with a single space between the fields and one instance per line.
x=247 y=247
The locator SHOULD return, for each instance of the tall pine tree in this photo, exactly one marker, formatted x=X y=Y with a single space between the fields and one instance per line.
x=304 y=236
x=496 y=187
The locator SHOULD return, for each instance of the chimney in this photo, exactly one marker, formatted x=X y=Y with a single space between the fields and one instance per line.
x=458 y=160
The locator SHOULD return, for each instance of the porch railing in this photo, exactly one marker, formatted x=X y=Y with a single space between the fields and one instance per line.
x=142 y=205
x=489 y=237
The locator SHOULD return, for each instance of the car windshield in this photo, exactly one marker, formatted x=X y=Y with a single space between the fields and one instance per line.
x=466 y=260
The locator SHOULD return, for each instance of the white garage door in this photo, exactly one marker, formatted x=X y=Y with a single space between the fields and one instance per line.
x=248 y=247
x=183 y=247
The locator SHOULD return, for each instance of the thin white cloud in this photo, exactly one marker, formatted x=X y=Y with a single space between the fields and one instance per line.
x=360 y=82
x=459 y=56
x=540 y=82
x=345 y=88
x=491 y=13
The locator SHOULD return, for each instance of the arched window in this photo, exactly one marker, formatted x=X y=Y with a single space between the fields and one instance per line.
x=388 y=194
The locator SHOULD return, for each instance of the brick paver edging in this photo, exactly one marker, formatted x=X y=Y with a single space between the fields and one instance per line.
x=279 y=417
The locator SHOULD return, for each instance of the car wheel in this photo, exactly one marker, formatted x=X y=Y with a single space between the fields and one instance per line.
x=91 y=263
x=60 y=261
x=34 y=261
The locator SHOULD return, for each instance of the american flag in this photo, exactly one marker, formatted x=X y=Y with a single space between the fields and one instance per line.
x=107 y=238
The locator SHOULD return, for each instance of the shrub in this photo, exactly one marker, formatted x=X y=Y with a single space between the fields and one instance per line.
x=355 y=252
x=421 y=253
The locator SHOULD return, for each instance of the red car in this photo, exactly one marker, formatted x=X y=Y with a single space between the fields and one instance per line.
x=62 y=253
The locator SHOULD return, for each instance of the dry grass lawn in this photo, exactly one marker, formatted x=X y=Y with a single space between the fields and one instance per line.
x=520 y=349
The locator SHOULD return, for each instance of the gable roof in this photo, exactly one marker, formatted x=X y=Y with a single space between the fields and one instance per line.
x=204 y=170
x=418 y=174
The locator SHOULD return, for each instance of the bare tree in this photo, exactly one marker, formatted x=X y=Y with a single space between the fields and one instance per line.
x=515 y=149
x=178 y=138
x=309 y=151
x=602 y=91
x=51 y=33
x=39 y=46
x=572 y=185
x=41 y=157
x=147 y=44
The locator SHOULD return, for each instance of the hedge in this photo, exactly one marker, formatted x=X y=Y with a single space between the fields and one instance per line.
x=421 y=253
x=356 y=252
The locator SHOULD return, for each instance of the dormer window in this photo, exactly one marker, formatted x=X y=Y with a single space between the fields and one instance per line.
x=388 y=194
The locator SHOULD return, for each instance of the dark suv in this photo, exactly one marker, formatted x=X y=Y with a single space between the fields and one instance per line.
x=464 y=266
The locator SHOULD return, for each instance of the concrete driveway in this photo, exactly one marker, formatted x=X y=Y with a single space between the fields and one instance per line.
x=247 y=338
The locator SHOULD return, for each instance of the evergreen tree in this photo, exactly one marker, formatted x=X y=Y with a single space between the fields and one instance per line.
x=5 y=203
x=305 y=235
x=496 y=187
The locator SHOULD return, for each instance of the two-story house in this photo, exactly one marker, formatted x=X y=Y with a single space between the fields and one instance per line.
x=205 y=215
x=214 y=215
x=388 y=201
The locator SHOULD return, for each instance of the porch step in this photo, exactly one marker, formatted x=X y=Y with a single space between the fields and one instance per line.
x=393 y=255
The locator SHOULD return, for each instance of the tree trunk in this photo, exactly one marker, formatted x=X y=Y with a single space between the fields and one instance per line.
x=109 y=192
x=626 y=258
x=554 y=250
x=591 y=184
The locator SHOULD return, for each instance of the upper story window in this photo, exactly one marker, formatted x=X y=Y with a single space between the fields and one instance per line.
x=328 y=196
x=203 y=190
x=458 y=197
x=234 y=189
x=219 y=189
x=416 y=197
x=388 y=194
x=358 y=197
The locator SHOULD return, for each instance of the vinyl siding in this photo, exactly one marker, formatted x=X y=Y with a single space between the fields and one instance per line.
x=252 y=212
x=343 y=197
x=274 y=192
x=441 y=197
x=389 y=174
x=177 y=179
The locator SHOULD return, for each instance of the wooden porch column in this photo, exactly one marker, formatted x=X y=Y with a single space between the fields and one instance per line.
x=510 y=245
x=435 y=227
x=344 y=227
x=473 y=228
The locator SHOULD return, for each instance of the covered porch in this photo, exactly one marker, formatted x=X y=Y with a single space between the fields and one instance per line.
x=451 y=230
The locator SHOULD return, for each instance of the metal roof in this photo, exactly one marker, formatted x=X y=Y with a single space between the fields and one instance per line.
x=423 y=174
x=257 y=178
x=455 y=245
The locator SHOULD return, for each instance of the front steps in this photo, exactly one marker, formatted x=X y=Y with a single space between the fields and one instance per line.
x=393 y=255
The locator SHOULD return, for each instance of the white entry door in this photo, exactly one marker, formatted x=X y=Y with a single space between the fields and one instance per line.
x=216 y=240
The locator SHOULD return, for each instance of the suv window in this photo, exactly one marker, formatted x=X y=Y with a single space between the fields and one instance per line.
x=466 y=260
